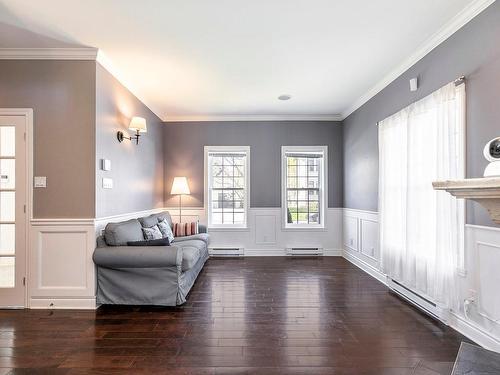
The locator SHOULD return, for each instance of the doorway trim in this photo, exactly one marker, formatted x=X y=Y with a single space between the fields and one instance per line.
x=28 y=150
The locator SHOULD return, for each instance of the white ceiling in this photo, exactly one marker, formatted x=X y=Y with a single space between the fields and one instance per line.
x=191 y=59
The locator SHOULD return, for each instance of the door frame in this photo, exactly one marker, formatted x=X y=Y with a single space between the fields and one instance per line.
x=28 y=150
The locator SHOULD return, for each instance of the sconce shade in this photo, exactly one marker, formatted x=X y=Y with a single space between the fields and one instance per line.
x=138 y=124
x=180 y=186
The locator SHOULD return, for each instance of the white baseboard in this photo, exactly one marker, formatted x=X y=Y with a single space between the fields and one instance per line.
x=368 y=268
x=63 y=303
x=473 y=332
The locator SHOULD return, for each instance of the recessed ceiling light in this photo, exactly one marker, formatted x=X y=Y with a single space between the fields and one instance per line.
x=285 y=97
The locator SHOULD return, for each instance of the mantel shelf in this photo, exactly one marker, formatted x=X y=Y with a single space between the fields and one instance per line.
x=485 y=191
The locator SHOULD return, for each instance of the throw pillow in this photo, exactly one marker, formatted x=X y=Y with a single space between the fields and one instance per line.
x=160 y=242
x=165 y=230
x=185 y=229
x=152 y=233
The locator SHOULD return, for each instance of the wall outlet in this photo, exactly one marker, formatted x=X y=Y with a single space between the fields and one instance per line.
x=40 y=182
x=472 y=295
x=107 y=183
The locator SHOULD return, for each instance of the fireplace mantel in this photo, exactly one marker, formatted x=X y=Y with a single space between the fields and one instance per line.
x=485 y=191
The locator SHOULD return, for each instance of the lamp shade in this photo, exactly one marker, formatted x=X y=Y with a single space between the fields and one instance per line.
x=180 y=186
x=138 y=124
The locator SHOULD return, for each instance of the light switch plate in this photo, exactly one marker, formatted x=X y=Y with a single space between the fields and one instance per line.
x=107 y=183
x=105 y=164
x=40 y=182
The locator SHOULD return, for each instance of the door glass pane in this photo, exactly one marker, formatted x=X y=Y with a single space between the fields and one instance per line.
x=7 y=239
x=7 y=272
x=7 y=173
x=7 y=141
x=7 y=206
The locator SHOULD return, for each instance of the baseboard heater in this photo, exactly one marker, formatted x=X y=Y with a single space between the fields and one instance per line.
x=422 y=303
x=226 y=251
x=304 y=251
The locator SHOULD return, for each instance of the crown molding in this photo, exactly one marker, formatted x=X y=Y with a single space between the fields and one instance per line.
x=218 y=118
x=79 y=53
x=455 y=24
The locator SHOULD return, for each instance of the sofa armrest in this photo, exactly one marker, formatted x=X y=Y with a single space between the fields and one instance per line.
x=138 y=256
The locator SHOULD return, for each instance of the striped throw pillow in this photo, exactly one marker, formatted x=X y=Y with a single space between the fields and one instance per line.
x=185 y=229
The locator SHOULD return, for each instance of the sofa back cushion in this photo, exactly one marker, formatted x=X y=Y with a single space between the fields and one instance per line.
x=118 y=234
x=153 y=219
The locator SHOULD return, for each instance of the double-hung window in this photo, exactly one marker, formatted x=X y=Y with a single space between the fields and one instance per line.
x=304 y=186
x=227 y=185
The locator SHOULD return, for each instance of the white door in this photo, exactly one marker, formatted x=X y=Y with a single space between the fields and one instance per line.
x=12 y=211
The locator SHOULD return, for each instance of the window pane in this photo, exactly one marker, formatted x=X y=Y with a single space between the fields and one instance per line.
x=291 y=182
x=302 y=195
x=7 y=141
x=302 y=170
x=313 y=182
x=239 y=171
x=216 y=171
x=313 y=195
x=314 y=217
x=302 y=182
x=292 y=195
x=216 y=160
x=239 y=160
x=7 y=272
x=239 y=218
x=227 y=218
x=217 y=182
x=7 y=206
x=216 y=217
x=7 y=239
x=7 y=174
x=239 y=195
x=227 y=170
x=291 y=170
x=239 y=183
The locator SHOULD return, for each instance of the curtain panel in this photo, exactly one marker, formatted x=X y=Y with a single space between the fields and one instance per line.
x=422 y=230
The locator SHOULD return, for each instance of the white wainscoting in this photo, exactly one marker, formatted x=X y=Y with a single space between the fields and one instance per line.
x=480 y=279
x=361 y=244
x=265 y=236
x=480 y=282
x=61 y=270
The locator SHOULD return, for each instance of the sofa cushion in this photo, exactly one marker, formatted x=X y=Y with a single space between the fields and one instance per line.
x=165 y=230
x=190 y=256
x=200 y=236
x=158 y=242
x=118 y=234
x=191 y=243
x=152 y=233
x=148 y=221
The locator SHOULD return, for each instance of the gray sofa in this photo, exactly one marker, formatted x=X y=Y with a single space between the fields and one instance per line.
x=147 y=275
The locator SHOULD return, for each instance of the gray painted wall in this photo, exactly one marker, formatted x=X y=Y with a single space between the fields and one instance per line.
x=136 y=170
x=474 y=51
x=184 y=144
x=61 y=94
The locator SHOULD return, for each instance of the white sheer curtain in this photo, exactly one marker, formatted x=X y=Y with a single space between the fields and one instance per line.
x=421 y=230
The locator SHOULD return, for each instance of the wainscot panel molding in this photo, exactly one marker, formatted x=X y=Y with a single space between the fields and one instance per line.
x=360 y=238
x=61 y=270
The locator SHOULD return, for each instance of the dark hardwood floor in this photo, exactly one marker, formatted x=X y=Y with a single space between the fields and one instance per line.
x=244 y=316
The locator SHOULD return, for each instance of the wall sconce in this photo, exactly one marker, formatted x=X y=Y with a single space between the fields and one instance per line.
x=139 y=125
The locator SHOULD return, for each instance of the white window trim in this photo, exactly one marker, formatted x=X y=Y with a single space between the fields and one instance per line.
x=207 y=196
x=323 y=191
